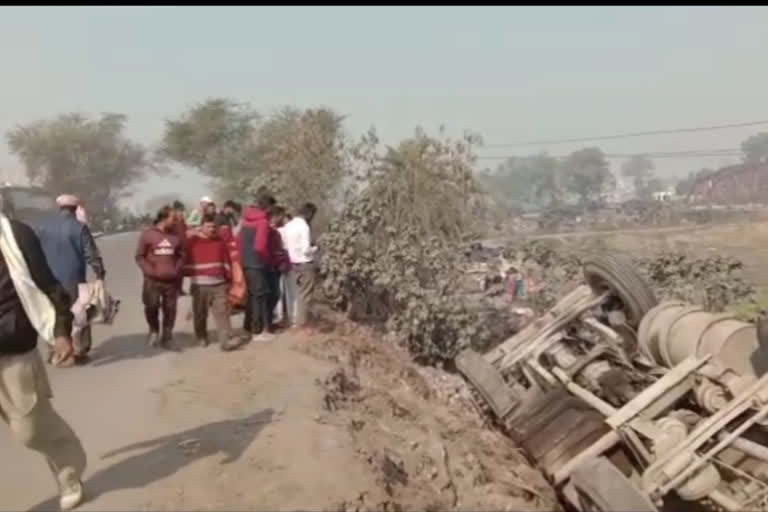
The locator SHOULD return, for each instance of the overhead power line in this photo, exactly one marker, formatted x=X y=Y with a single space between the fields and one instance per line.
x=628 y=135
x=670 y=154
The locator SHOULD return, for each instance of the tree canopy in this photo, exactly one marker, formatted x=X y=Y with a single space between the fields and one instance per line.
x=755 y=148
x=298 y=154
x=542 y=180
x=301 y=155
x=92 y=158
x=640 y=169
x=587 y=174
x=531 y=180
x=212 y=137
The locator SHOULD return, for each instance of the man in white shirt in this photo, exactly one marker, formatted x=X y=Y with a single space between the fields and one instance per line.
x=301 y=280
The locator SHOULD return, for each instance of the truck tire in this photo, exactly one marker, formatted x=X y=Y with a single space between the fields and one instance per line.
x=552 y=427
x=608 y=273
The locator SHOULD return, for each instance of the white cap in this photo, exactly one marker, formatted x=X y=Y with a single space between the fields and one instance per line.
x=206 y=199
x=67 y=200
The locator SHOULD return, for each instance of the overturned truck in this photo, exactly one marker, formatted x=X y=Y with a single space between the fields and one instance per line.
x=626 y=403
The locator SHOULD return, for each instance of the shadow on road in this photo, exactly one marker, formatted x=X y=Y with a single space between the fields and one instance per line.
x=162 y=457
x=133 y=346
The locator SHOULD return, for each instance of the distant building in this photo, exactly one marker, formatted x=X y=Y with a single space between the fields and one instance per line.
x=664 y=195
x=736 y=184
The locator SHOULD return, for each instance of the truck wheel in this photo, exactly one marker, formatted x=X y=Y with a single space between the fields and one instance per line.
x=552 y=427
x=607 y=273
x=600 y=487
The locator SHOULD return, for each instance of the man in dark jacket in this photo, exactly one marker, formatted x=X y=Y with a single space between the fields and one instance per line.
x=69 y=247
x=25 y=392
x=228 y=215
x=160 y=256
x=256 y=258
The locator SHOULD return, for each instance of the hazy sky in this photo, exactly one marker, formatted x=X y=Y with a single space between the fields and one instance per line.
x=510 y=73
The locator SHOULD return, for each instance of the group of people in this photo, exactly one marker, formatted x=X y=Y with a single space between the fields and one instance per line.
x=259 y=259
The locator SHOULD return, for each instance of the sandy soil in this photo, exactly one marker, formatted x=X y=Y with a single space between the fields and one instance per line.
x=335 y=422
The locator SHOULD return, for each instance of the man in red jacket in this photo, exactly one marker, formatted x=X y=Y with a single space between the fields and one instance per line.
x=257 y=258
x=209 y=269
x=160 y=255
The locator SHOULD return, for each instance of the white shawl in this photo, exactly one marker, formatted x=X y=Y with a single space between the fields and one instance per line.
x=37 y=305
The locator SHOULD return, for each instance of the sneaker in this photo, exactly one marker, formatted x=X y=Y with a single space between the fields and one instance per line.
x=153 y=340
x=232 y=344
x=203 y=342
x=71 y=496
x=263 y=337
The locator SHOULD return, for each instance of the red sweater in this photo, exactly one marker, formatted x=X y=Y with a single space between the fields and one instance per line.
x=160 y=255
x=208 y=261
x=279 y=254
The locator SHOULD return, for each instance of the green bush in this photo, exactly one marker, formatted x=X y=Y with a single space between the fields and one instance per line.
x=390 y=257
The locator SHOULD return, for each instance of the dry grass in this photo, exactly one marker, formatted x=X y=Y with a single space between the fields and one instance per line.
x=747 y=241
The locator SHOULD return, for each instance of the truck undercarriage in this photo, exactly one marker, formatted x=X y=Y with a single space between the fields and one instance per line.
x=624 y=402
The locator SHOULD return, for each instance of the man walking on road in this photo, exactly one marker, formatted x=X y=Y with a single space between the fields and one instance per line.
x=301 y=252
x=160 y=256
x=209 y=269
x=69 y=246
x=32 y=303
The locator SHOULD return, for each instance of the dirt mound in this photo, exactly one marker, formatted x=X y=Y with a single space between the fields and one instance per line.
x=356 y=426
x=419 y=435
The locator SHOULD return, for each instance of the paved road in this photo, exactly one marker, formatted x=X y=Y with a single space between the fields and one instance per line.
x=110 y=403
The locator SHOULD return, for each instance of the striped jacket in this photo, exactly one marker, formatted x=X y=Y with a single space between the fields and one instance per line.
x=208 y=261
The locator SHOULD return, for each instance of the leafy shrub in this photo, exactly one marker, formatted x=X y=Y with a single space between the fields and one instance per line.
x=713 y=282
x=390 y=257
